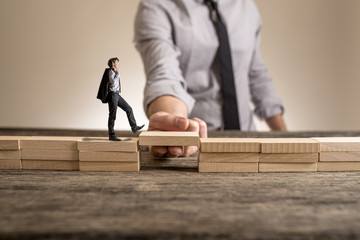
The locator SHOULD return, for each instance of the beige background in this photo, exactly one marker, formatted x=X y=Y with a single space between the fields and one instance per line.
x=53 y=53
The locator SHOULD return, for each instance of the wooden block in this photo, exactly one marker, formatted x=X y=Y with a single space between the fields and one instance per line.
x=228 y=157
x=339 y=156
x=9 y=143
x=228 y=167
x=15 y=154
x=338 y=166
x=156 y=138
x=289 y=157
x=104 y=145
x=50 y=143
x=10 y=164
x=109 y=156
x=110 y=166
x=287 y=167
x=50 y=165
x=289 y=145
x=229 y=145
x=49 y=155
x=339 y=144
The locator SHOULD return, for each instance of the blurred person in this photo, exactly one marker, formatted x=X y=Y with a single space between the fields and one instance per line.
x=204 y=67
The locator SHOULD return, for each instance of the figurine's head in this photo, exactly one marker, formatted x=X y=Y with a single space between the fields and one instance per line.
x=113 y=63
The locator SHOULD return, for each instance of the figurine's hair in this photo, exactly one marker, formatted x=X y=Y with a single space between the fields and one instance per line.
x=111 y=61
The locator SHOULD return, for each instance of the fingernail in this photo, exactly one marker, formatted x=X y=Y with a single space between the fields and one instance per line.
x=181 y=123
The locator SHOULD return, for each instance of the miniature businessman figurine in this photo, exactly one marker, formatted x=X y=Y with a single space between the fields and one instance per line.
x=109 y=93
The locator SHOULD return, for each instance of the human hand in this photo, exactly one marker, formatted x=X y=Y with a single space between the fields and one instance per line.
x=163 y=121
x=116 y=70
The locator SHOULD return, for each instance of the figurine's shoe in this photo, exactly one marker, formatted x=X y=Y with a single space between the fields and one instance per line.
x=135 y=129
x=114 y=138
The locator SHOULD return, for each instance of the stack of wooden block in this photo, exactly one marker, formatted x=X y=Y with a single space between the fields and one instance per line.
x=50 y=153
x=339 y=154
x=289 y=155
x=10 y=155
x=100 y=154
x=229 y=155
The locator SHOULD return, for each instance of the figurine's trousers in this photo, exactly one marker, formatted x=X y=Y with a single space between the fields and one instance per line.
x=115 y=100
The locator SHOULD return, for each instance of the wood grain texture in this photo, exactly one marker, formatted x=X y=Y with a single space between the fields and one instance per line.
x=227 y=167
x=287 y=167
x=109 y=156
x=50 y=143
x=339 y=157
x=339 y=144
x=228 y=157
x=10 y=164
x=49 y=155
x=13 y=154
x=338 y=166
x=179 y=203
x=289 y=157
x=110 y=166
x=9 y=143
x=104 y=145
x=289 y=145
x=169 y=199
x=50 y=165
x=230 y=145
x=157 y=138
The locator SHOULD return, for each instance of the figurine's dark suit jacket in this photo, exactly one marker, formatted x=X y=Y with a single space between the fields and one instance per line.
x=103 y=92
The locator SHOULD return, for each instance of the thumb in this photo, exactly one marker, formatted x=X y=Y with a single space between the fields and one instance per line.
x=167 y=122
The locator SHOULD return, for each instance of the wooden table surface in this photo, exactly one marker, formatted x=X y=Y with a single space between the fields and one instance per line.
x=169 y=199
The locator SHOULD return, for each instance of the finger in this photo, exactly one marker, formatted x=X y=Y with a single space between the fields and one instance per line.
x=193 y=127
x=203 y=127
x=167 y=122
x=175 y=151
x=158 y=151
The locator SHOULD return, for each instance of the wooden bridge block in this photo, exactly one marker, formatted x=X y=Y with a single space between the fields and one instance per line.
x=240 y=145
x=338 y=166
x=289 y=157
x=9 y=143
x=339 y=156
x=166 y=138
x=109 y=156
x=50 y=165
x=339 y=144
x=8 y=155
x=110 y=166
x=228 y=167
x=10 y=164
x=49 y=143
x=104 y=145
x=228 y=157
x=288 y=167
x=49 y=155
x=289 y=145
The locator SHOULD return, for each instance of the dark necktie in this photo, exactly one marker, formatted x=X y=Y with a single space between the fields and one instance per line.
x=230 y=109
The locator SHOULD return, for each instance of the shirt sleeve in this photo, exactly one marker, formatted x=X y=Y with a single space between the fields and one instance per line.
x=153 y=39
x=263 y=95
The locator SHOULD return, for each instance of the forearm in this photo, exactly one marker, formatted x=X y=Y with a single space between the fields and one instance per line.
x=276 y=123
x=169 y=104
